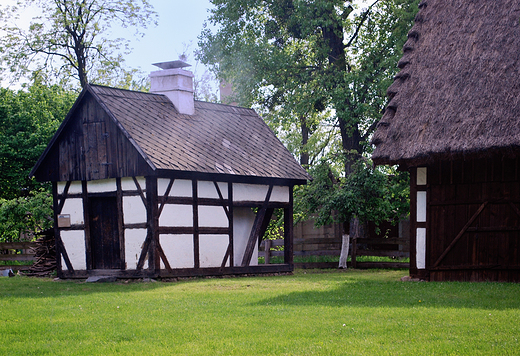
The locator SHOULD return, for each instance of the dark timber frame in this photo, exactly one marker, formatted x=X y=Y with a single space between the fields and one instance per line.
x=153 y=252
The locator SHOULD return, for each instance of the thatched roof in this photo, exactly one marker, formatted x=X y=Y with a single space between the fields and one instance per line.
x=458 y=92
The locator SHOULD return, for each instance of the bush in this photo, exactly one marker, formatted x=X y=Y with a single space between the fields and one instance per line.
x=30 y=214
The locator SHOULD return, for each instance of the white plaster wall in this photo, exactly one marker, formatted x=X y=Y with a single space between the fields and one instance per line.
x=74 y=242
x=134 y=240
x=74 y=207
x=243 y=219
x=180 y=187
x=421 y=206
x=100 y=186
x=212 y=249
x=207 y=189
x=212 y=216
x=75 y=187
x=176 y=215
x=421 y=248
x=421 y=176
x=178 y=250
x=129 y=184
x=134 y=210
x=255 y=192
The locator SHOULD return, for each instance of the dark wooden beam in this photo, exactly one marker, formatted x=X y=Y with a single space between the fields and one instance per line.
x=231 y=226
x=63 y=197
x=86 y=219
x=256 y=229
x=196 y=247
x=182 y=230
x=153 y=222
x=141 y=193
x=222 y=201
x=120 y=228
x=163 y=257
x=166 y=194
x=288 y=230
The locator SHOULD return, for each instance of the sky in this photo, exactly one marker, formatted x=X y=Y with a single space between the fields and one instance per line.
x=180 y=21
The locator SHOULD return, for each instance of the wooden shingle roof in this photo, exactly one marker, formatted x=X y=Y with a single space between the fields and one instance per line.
x=217 y=139
x=458 y=92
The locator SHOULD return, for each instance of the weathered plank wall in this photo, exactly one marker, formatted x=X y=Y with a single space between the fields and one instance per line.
x=474 y=220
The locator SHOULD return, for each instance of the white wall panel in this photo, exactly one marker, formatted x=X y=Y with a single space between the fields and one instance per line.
x=102 y=185
x=74 y=242
x=74 y=207
x=212 y=249
x=134 y=240
x=180 y=188
x=421 y=206
x=255 y=192
x=128 y=183
x=212 y=216
x=75 y=187
x=207 y=189
x=243 y=219
x=176 y=215
x=134 y=210
x=178 y=250
x=421 y=248
x=421 y=176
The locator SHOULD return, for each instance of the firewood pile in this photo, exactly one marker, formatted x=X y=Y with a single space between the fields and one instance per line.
x=44 y=255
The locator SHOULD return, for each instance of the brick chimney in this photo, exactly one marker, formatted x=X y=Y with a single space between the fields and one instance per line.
x=176 y=83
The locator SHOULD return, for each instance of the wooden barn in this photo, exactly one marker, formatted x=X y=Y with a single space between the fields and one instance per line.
x=453 y=121
x=160 y=185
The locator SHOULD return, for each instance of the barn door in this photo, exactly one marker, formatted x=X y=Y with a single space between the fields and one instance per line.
x=104 y=233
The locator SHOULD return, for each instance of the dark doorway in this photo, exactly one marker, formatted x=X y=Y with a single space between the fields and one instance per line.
x=104 y=233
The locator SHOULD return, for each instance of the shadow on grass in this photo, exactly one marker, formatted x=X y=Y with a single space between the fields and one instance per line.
x=492 y=296
x=32 y=287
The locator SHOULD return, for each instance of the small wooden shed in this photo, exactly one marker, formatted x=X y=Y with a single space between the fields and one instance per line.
x=453 y=121
x=157 y=184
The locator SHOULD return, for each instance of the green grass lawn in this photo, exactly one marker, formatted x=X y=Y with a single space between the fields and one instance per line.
x=309 y=313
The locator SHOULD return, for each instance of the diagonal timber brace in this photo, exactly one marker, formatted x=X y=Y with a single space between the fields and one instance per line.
x=259 y=227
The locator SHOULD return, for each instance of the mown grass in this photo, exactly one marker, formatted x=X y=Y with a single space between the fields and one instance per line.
x=309 y=313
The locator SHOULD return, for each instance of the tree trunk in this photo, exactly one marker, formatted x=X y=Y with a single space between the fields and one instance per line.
x=304 y=155
x=345 y=242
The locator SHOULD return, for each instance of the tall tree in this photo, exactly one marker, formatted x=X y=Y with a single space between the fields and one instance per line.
x=319 y=67
x=70 y=38
x=315 y=63
x=28 y=119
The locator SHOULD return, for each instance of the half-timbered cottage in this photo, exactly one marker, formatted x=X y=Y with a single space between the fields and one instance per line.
x=453 y=121
x=157 y=184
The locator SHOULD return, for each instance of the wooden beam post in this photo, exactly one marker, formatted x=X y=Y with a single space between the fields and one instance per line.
x=256 y=230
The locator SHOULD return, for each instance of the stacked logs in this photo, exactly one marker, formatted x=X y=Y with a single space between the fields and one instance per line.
x=44 y=255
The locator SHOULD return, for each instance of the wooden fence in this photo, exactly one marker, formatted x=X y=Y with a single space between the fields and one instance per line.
x=393 y=248
x=16 y=251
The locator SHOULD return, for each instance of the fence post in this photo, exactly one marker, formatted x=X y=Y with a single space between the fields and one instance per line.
x=267 y=249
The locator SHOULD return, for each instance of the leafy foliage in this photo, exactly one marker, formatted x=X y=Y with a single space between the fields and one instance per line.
x=368 y=194
x=28 y=120
x=318 y=71
x=30 y=214
x=315 y=68
x=71 y=39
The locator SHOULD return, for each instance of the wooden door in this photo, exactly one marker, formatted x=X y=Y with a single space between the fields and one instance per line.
x=104 y=233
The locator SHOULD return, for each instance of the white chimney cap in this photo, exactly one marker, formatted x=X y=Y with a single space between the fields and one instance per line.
x=172 y=64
